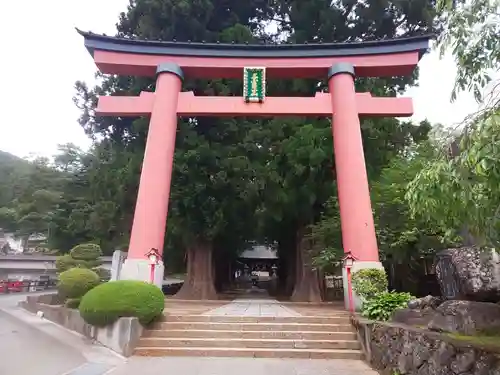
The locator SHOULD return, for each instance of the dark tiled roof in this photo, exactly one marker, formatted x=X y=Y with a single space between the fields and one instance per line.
x=153 y=47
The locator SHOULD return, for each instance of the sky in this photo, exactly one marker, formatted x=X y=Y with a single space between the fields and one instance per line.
x=42 y=57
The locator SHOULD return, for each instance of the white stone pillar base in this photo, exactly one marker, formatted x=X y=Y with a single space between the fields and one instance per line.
x=140 y=269
x=358 y=265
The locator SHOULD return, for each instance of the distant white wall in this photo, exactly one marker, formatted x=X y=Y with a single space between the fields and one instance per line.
x=15 y=244
x=33 y=266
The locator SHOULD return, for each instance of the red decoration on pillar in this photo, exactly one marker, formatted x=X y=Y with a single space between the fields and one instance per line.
x=348 y=262
x=154 y=259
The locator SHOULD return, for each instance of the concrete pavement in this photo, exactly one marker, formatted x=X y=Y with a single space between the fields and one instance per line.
x=34 y=346
x=25 y=350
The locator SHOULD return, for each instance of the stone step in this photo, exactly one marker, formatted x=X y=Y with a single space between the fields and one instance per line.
x=301 y=327
x=177 y=342
x=293 y=335
x=342 y=318
x=248 y=352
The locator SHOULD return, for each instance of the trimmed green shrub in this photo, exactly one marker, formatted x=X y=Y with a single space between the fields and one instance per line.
x=103 y=273
x=110 y=301
x=369 y=282
x=383 y=305
x=75 y=282
x=86 y=251
x=82 y=256
x=72 y=303
x=65 y=262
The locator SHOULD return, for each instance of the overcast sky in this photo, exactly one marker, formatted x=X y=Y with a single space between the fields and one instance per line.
x=42 y=57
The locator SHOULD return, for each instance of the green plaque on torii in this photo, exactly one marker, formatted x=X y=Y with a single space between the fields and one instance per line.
x=254 y=84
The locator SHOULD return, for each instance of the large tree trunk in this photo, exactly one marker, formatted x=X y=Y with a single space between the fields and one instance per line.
x=199 y=283
x=306 y=283
x=291 y=270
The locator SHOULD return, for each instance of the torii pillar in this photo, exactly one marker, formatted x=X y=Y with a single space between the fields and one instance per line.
x=151 y=209
x=356 y=216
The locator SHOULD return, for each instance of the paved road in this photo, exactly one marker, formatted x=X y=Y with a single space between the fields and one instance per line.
x=26 y=350
x=33 y=346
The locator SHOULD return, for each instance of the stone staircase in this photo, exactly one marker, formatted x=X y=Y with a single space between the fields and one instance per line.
x=315 y=337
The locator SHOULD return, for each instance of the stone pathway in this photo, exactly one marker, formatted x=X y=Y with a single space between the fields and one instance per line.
x=253 y=307
x=241 y=366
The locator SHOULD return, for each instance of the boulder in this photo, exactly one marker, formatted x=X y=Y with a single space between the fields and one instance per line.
x=469 y=273
x=466 y=317
x=413 y=317
x=425 y=302
x=419 y=313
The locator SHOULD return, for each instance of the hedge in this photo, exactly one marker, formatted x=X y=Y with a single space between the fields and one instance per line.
x=110 y=301
x=75 y=282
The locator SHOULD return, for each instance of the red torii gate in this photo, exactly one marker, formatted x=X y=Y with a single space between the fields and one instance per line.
x=171 y=61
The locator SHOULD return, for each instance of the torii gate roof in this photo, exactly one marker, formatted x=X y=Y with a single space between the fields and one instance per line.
x=128 y=56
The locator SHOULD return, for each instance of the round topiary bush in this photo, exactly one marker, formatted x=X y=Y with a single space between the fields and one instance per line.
x=72 y=303
x=86 y=251
x=369 y=282
x=110 y=301
x=75 y=282
x=65 y=262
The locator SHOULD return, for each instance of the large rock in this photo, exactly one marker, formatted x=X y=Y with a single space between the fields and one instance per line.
x=419 y=313
x=413 y=317
x=466 y=317
x=469 y=273
x=425 y=302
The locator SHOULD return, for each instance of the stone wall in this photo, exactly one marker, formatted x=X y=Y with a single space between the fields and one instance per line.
x=398 y=349
x=121 y=337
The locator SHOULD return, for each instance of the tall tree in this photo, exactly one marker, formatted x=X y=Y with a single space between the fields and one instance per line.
x=305 y=184
x=457 y=191
x=213 y=174
x=223 y=166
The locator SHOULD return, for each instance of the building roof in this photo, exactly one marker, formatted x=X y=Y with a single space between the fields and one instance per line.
x=259 y=252
x=95 y=42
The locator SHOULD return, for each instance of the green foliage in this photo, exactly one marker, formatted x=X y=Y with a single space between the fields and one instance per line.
x=110 y=301
x=75 y=282
x=65 y=262
x=369 y=282
x=457 y=192
x=87 y=252
x=382 y=305
x=104 y=273
x=72 y=303
x=81 y=256
x=471 y=33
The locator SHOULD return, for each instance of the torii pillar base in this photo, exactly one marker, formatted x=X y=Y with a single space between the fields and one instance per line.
x=140 y=269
